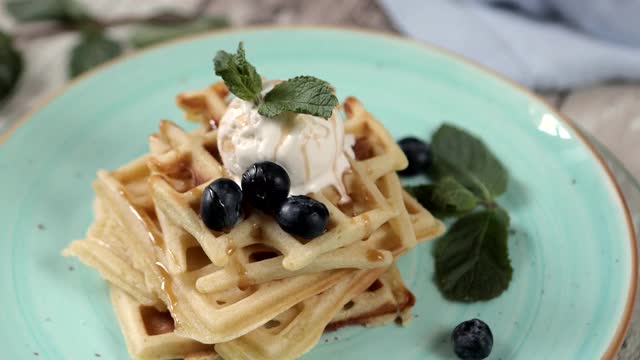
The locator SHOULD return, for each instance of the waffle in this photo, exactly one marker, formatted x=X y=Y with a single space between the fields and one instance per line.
x=230 y=289
x=208 y=318
x=150 y=333
x=179 y=205
x=204 y=105
x=386 y=300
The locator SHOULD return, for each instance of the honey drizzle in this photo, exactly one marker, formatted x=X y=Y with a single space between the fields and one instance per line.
x=166 y=282
x=231 y=245
x=155 y=238
x=196 y=179
x=337 y=178
x=374 y=255
x=285 y=130
x=244 y=283
x=256 y=232
x=167 y=286
x=305 y=157
x=367 y=223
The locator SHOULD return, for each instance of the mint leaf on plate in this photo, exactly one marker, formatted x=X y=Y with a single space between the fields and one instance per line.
x=472 y=259
x=93 y=49
x=238 y=74
x=463 y=156
x=301 y=94
x=446 y=197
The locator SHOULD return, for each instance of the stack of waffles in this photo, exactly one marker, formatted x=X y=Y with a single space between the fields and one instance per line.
x=182 y=291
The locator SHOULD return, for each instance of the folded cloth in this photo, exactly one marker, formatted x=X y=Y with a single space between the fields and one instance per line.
x=612 y=20
x=545 y=46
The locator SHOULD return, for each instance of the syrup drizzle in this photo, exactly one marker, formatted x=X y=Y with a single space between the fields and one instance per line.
x=285 y=130
x=256 y=232
x=305 y=157
x=166 y=281
x=153 y=236
x=374 y=255
x=167 y=286
x=367 y=223
x=244 y=283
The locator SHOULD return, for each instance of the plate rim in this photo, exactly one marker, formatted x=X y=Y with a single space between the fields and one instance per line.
x=614 y=344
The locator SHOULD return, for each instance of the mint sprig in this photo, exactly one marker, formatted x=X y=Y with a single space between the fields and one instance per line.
x=301 y=94
x=238 y=74
x=465 y=157
x=472 y=258
x=446 y=197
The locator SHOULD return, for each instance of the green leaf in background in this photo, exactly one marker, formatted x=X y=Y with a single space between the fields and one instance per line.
x=169 y=17
x=10 y=66
x=301 y=94
x=69 y=11
x=472 y=259
x=465 y=157
x=444 y=198
x=146 y=35
x=238 y=74
x=93 y=49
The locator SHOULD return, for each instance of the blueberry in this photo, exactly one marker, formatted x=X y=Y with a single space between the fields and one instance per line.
x=303 y=216
x=418 y=153
x=221 y=204
x=472 y=340
x=265 y=186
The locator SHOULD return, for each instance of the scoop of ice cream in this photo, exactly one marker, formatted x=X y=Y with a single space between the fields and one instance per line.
x=313 y=150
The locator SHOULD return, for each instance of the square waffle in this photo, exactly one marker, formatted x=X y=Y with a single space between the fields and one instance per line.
x=255 y=292
x=150 y=335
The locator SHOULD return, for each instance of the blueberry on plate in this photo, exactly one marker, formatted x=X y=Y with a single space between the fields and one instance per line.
x=418 y=153
x=265 y=186
x=221 y=204
x=303 y=216
x=472 y=340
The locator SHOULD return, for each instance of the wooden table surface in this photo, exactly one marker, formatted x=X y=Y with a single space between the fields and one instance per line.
x=610 y=112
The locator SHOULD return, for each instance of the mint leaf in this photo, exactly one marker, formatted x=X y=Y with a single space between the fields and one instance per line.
x=302 y=94
x=146 y=35
x=502 y=216
x=444 y=198
x=68 y=11
x=93 y=49
x=463 y=156
x=10 y=66
x=35 y=10
x=472 y=259
x=238 y=74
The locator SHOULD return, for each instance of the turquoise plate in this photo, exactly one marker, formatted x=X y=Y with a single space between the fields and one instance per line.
x=572 y=245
